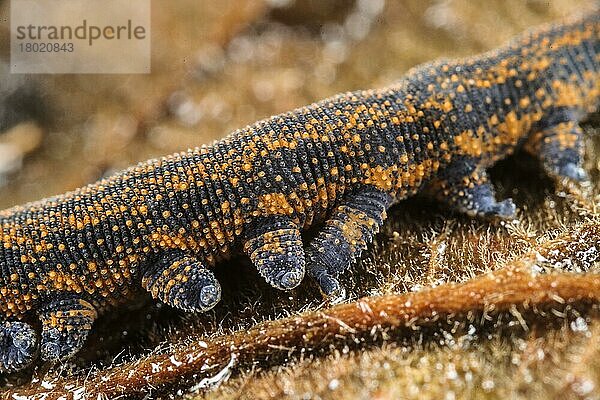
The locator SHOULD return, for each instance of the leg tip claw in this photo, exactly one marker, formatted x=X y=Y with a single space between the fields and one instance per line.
x=18 y=344
x=574 y=172
x=60 y=345
x=50 y=351
x=332 y=289
x=202 y=296
x=209 y=296
x=290 y=280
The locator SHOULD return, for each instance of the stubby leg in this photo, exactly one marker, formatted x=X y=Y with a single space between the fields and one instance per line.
x=275 y=247
x=18 y=344
x=66 y=323
x=560 y=148
x=464 y=187
x=345 y=235
x=183 y=282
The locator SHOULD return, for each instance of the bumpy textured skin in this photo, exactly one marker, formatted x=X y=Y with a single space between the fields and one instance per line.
x=337 y=164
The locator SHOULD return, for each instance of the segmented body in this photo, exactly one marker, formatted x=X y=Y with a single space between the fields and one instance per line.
x=436 y=129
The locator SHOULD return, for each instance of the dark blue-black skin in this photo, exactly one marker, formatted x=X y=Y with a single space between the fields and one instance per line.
x=338 y=164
